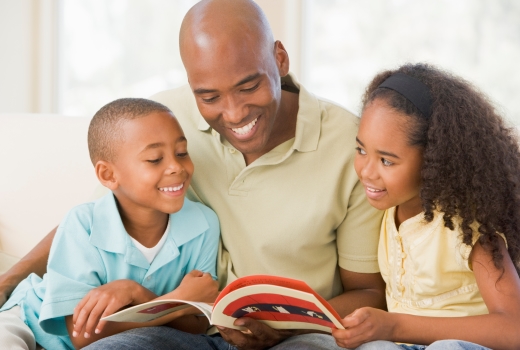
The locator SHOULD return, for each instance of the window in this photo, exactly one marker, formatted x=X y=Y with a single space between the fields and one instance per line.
x=117 y=48
x=347 y=42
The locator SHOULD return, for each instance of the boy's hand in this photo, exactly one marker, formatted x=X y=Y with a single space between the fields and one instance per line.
x=195 y=286
x=364 y=325
x=103 y=301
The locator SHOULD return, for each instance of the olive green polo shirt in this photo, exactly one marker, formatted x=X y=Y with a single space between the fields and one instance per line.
x=298 y=211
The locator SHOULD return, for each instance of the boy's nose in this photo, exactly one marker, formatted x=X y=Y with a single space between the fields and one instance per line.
x=175 y=167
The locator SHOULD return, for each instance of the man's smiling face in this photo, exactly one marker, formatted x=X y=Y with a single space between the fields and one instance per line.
x=237 y=89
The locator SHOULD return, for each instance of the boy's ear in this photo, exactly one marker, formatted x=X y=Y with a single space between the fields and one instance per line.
x=105 y=174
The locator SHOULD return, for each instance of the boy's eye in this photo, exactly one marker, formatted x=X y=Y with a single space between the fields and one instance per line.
x=360 y=151
x=155 y=161
x=182 y=155
x=386 y=162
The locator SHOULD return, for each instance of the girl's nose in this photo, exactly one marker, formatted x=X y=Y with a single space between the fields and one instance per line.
x=369 y=170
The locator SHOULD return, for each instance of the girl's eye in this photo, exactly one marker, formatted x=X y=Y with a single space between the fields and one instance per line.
x=182 y=155
x=360 y=151
x=155 y=161
x=251 y=88
x=386 y=162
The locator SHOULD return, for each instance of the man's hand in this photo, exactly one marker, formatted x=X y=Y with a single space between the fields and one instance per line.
x=259 y=335
x=195 y=286
x=104 y=301
x=364 y=325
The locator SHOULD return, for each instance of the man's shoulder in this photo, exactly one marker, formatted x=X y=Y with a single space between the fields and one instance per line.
x=336 y=110
x=170 y=96
x=182 y=103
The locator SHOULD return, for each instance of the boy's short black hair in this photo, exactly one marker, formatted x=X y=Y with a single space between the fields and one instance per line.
x=105 y=127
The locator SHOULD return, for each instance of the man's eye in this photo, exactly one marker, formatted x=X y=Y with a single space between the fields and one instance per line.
x=209 y=100
x=251 y=88
x=360 y=151
x=386 y=162
x=154 y=161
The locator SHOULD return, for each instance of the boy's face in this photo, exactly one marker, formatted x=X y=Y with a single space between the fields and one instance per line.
x=152 y=165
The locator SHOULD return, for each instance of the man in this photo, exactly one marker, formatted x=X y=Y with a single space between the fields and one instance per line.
x=276 y=165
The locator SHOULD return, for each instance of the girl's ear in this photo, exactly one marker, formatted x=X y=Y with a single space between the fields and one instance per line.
x=106 y=175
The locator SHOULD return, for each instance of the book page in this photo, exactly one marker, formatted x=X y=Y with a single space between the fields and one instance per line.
x=154 y=309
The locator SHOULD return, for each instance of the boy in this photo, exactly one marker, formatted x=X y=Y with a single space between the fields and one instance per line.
x=135 y=243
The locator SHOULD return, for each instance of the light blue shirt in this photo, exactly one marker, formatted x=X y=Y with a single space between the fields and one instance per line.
x=92 y=248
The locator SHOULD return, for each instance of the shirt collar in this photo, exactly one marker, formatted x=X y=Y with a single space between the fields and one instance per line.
x=308 y=123
x=109 y=234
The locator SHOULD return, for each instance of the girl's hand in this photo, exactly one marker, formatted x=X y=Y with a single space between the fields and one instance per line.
x=364 y=325
x=195 y=286
x=103 y=301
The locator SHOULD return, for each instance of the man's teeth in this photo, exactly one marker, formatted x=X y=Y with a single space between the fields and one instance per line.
x=373 y=190
x=245 y=129
x=171 y=189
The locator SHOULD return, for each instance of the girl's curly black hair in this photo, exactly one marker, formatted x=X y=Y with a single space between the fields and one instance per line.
x=471 y=157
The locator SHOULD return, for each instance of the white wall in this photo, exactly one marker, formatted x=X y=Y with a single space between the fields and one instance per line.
x=17 y=66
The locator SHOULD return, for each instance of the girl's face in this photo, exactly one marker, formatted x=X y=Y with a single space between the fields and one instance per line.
x=387 y=166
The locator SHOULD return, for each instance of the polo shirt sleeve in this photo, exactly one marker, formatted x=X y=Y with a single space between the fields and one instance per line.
x=358 y=234
x=75 y=267
x=206 y=258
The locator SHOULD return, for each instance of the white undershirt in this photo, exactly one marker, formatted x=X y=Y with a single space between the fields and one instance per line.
x=151 y=253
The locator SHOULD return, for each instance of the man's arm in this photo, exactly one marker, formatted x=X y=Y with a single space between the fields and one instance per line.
x=359 y=290
x=35 y=261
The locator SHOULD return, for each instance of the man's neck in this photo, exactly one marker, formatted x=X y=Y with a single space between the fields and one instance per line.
x=284 y=128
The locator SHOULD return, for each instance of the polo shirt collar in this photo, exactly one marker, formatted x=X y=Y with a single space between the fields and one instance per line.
x=308 y=124
x=108 y=232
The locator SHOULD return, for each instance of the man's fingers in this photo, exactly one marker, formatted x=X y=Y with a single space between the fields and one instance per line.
x=229 y=335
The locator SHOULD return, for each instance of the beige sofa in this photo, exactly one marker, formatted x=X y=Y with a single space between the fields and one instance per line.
x=45 y=171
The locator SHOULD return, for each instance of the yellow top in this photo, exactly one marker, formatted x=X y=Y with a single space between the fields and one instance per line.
x=426 y=268
x=298 y=210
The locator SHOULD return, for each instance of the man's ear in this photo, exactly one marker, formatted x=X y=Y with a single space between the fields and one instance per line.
x=106 y=175
x=282 y=58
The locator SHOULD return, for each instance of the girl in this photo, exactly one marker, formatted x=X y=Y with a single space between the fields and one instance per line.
x=434 y=154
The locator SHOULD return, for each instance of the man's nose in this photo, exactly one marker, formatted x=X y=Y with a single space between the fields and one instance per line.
x=234 y=110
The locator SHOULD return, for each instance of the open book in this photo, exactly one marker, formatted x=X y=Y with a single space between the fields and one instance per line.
x=280 y=302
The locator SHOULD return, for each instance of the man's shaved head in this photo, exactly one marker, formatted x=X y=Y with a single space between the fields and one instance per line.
x=210 y=24
x=105 y=131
